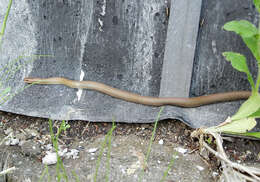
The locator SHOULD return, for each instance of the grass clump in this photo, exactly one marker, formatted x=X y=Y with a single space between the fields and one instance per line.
x=108 y=139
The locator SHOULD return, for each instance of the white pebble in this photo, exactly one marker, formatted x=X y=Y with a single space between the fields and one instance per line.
x=161 y=142
x=73 y=153
x=215 y=174
x=92 y=150
x=200 y=168
x=12 y=141
x=50 y=158
x=181 y=150
x=62 y=152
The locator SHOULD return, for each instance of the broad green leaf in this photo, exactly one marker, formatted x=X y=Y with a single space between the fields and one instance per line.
x=257 y=5
x=238 y=61
x=248 y=32
x=243 y=28
x=248 y=108
x=256 y=114
x=252 y=134
x=252 y=44
x=238 y=126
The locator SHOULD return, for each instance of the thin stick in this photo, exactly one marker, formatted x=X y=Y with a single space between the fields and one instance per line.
x=240 y=167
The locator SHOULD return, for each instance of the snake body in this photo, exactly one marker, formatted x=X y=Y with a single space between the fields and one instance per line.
x=145 y=100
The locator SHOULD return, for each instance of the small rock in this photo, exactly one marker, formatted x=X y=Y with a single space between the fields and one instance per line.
x=63 y=152
x=81 y=147
x=248 y=152
x=92 y=150
x=50 y=158
x=72 y=154
x=161 y=142
x=12 y=141
x=215 y=174
x=181 y=150
x=200 y=168
x=8 y=131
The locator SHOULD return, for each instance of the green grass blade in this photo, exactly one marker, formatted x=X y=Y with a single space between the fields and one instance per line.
x=150 y=144
x=102 y=151
x=45 y=172
x=11 y=69
x=64 y=173
x=76 y=176
x=4 y=98
x=10 y=73
x=12 y=95
x=11 y=63
x=4 y=22
x=109 y=153
x=5 y=92
x=59 y=165
x=165 y=174
x=54 y=143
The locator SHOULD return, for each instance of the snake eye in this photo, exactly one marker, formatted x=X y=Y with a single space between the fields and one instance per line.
x=27 y=80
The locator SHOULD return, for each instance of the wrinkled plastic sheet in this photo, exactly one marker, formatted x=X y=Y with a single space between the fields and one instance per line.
x=149 y=47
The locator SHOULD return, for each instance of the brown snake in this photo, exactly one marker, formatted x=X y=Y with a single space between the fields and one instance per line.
x=145 y=100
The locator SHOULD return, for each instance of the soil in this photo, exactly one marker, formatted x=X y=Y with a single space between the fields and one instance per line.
x=35 y=136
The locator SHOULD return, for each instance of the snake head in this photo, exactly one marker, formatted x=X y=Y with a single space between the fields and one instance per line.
x=30 y=80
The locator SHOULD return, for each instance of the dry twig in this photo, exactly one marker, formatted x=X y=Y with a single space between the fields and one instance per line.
x=232 y=171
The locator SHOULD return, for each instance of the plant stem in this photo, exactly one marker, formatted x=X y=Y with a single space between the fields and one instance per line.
x=5 y=20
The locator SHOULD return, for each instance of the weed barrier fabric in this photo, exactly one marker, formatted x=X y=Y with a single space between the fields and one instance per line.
x=139 y=46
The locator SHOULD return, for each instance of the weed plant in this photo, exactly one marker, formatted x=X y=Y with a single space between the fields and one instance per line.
x=245 y=118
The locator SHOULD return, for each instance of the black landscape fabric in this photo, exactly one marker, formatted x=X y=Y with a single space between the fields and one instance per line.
x=150 y=47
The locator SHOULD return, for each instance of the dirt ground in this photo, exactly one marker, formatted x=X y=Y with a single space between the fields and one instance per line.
x=34 y=137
